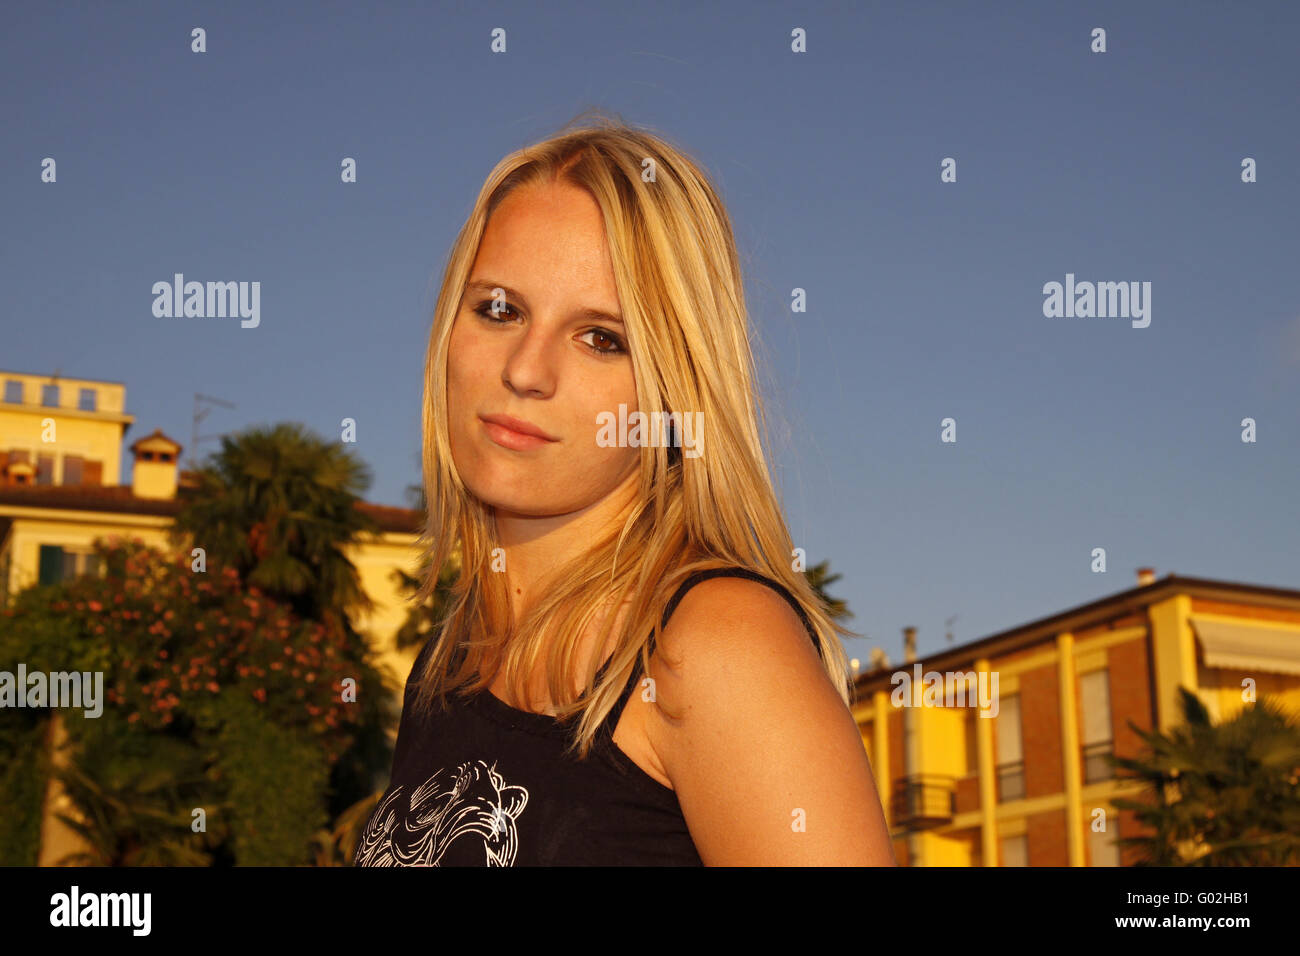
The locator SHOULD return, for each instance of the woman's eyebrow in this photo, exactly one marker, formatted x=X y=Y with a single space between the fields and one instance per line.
x=486 y=285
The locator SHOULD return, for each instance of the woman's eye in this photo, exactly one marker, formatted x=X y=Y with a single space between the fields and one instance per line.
x=615 y=346
x=486 y=311
x=605 y=343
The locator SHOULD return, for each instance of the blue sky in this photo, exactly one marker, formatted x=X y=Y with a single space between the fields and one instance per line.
x=925 y=298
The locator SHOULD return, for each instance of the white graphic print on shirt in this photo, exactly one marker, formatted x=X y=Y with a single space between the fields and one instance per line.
x=473 y=803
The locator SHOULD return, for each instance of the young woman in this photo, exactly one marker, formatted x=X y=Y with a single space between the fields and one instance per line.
x=632 y=670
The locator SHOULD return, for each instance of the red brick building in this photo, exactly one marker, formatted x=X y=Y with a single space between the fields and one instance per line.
x=993 y=753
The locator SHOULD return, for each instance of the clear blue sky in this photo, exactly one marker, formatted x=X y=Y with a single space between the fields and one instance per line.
x=924 y=298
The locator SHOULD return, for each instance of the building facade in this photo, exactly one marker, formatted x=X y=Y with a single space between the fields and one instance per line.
x=60 y=460
x=993 y=753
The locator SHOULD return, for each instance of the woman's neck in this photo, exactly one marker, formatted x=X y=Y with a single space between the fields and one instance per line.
x=535 y=545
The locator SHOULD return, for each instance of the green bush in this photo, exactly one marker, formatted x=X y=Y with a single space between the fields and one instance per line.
x=216 y=698
x=23 y=772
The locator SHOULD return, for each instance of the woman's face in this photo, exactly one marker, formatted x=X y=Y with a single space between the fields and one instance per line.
x=545 y=358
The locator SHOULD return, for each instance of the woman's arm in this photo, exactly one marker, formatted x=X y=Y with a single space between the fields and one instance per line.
x=766 y=760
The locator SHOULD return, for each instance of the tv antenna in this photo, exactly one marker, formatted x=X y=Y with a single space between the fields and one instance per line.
x=202 y=408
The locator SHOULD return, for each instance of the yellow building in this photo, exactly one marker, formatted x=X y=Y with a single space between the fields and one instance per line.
x=1003 y=763
x=60 y=460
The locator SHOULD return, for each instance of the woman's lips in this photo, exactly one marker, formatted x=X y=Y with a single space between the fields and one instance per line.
x=509 y=438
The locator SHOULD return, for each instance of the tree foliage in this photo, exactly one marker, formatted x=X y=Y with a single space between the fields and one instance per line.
x=216 y=697
x=279 y=506
x=1224 y=794
x=819 y=579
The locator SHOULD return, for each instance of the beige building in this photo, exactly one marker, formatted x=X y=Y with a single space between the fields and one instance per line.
x=60 y=459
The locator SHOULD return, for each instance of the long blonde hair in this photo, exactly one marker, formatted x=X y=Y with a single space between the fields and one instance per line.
x=679 y=286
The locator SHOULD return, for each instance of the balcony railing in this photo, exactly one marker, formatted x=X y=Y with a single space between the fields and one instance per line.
x=922 y=801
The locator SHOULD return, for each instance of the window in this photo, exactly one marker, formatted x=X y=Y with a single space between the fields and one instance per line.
x=1102 y=848
x=45 y=469
x=74 y=469
x=86 y=400
x=50 y=396
x=14 y=392
x=1011 y=763
x=1096 y=737
x=51 y=564
x=1015 y=850
x=57 y=564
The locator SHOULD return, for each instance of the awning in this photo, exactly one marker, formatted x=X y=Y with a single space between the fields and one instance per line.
x=1236 y=645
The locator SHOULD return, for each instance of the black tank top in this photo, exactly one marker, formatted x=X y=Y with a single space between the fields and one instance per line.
x=486 y=784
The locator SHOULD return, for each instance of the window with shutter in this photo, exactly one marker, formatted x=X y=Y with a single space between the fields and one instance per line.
x=51 y=564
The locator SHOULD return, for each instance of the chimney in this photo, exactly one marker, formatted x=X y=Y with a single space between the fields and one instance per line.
x=154 y=473
x=909 y=645
x=1146 y=576
x=879 y=660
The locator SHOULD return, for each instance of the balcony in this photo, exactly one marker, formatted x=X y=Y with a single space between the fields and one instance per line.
x=923 y=801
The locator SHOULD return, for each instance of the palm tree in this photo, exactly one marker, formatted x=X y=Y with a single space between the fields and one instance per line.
x=1226 y=794
x=279 y=504
x=130 y=805
x=819 y=578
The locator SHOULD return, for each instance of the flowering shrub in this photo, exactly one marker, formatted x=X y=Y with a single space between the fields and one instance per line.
x=201 y=658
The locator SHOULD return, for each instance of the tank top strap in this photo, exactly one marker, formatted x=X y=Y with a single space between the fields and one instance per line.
x=737 y=572
x=607 y=726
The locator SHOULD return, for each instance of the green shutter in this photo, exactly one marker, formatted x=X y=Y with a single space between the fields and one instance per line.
x=51 y=564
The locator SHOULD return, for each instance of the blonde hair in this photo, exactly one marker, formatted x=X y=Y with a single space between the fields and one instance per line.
x=679 y=287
